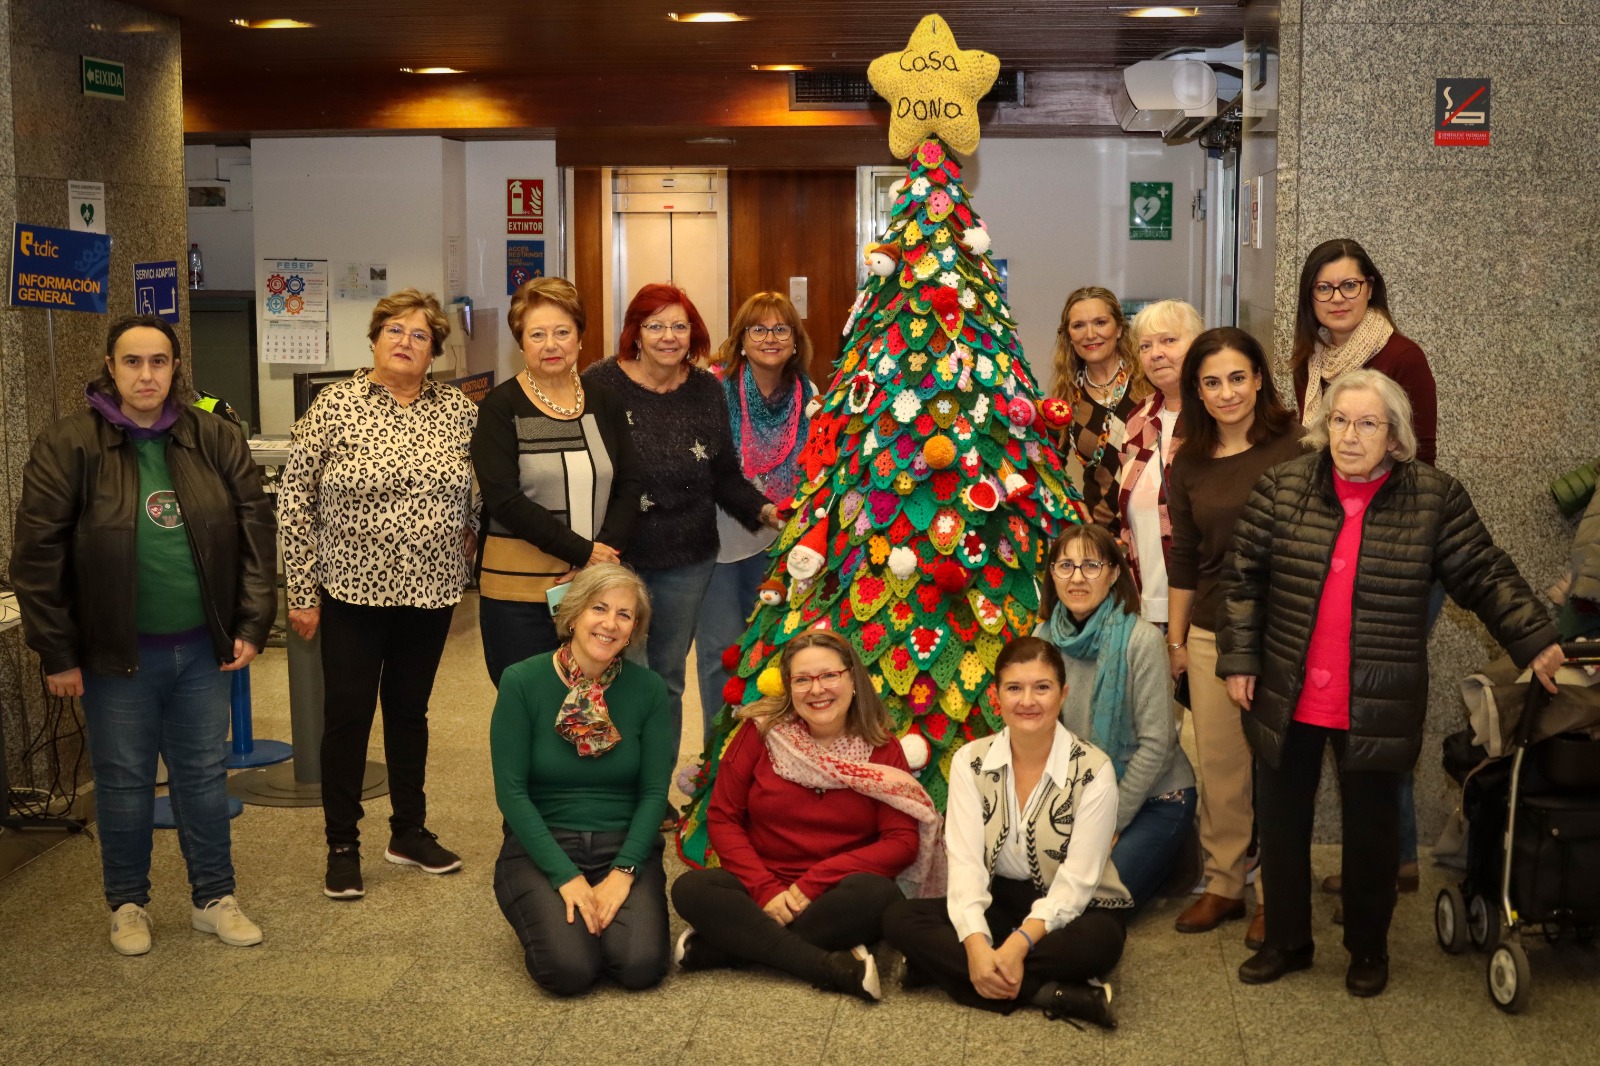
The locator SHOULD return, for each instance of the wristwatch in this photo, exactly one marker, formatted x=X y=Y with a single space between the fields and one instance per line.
x=629 y=870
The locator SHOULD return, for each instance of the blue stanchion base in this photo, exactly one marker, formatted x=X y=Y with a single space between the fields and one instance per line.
x=266 y=753
x=163 y=819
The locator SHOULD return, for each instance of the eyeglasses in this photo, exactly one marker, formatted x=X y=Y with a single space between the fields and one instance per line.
x=1349 y=288
x=830 y=679
x=561 y=335
x=656 y=329
x=397 y=333
x=1089 y=568
x=759 y=333
x=1364 y=427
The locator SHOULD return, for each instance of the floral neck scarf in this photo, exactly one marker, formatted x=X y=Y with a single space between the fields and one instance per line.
x=583 y=718
x=769 y=433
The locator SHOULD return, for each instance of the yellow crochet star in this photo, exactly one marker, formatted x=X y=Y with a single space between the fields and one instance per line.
x=933 y=87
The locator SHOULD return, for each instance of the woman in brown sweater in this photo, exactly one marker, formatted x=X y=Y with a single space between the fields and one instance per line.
x=1234 y=428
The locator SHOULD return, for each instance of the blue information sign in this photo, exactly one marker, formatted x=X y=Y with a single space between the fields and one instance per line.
x=524 y=260
x=59 y=269
x=155 y=289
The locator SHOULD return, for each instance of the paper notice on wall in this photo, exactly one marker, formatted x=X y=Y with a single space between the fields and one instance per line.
x=86 y=206
x=361 y=281
x=294 y=342
x=293 y=290
x=452 y=265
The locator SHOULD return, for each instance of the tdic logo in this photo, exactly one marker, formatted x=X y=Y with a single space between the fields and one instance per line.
x=36 y=248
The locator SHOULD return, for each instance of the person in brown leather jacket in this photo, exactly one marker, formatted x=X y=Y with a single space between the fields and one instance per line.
x=143 y=563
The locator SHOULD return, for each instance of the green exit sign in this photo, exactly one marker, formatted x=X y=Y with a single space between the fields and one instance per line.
x=103 y=77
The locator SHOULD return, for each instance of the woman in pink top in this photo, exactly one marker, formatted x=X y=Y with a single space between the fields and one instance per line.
x=1322 y=639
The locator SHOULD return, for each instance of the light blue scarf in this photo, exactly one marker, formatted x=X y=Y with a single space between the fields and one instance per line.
x=1102 y=640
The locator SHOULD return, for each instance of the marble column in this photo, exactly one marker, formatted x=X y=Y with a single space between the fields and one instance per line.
x=1489 y=253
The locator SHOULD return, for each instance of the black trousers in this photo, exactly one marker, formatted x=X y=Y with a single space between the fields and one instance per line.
x=368 y=652
x=1088 y=946
x=564 y=958
x=1286 y=810
x=724 y=915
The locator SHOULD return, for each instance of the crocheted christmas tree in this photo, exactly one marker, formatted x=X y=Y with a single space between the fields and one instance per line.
x=930 y=490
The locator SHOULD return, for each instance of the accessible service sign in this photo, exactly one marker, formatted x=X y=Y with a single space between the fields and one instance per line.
x=59 y=269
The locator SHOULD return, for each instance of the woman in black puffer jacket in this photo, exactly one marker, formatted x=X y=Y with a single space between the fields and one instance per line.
x=1323 y=638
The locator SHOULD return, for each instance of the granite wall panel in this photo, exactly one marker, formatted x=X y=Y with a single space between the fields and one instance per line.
x=1488 y=253
x=51 y=133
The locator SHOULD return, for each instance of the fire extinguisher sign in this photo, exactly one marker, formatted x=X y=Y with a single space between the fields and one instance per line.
x=525 y=205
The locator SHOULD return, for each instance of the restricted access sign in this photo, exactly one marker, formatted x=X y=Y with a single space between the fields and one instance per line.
x=525 y=205
x=524 y=262
x=1461 y=112
x=155 y=289
x=59 y=269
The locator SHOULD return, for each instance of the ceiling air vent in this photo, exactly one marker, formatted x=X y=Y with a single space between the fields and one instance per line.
x=812 y=90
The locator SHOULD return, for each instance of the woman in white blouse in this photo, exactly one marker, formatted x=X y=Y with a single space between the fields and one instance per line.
x=1034 y=911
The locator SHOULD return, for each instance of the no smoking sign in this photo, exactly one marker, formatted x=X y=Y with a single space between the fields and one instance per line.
x=1461 y=112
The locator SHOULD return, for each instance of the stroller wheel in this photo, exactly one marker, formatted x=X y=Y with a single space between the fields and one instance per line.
x=1510 y=979
x=1483 y=924
x=1450 y=920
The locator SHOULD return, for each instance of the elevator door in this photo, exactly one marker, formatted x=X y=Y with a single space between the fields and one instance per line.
x=671 y=225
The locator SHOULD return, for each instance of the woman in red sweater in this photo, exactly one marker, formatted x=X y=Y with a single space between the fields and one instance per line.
x=814 y=811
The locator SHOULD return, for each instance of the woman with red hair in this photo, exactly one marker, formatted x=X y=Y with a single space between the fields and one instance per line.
x=689 y=467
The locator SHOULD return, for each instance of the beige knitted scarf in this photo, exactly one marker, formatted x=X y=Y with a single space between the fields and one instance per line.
x=1328 y=361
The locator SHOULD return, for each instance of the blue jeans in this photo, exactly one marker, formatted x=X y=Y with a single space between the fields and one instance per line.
x=729 y=600
x=675 y=598
x=513 y=631
x=1148 y=847
x=177 y=705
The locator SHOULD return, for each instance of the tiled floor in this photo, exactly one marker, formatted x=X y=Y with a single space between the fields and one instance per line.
x=424 y=969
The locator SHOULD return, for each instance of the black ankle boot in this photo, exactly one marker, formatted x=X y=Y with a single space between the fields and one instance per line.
x=1269 y=964
x=1092 y=1003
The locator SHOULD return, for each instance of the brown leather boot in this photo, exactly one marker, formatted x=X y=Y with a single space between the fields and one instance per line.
x=1255 y=938
x=1208 y=912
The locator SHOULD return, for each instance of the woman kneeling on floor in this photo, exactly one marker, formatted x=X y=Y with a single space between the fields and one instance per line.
x=583 y=746
x=1119 y=698
x=814 y=810
x=1034 y=912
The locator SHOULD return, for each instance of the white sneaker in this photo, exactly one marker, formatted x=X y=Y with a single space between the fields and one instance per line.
x=130 y=929
x=869 y=980
x=224 y=918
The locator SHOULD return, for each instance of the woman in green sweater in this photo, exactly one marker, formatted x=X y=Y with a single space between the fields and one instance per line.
x=583 y=747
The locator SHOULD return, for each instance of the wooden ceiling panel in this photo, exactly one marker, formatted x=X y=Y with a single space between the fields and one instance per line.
x=605 y=63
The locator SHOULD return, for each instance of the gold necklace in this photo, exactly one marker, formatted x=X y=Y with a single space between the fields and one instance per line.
x=565 y=412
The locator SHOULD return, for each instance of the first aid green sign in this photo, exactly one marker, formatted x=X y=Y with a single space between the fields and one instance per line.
x=103 y=77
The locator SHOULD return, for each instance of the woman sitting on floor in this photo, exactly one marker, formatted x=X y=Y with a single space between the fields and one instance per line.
x=1033 y=912
x=1119 y=698
x=814 y=810
x=582 y=746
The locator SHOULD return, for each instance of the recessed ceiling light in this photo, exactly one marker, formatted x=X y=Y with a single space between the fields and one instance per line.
x=779 y=66
x=271 y=24
x=1158 y=12
x=704 y=16
x=431 y=70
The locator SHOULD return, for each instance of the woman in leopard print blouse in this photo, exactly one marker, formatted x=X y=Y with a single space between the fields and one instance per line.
x=379 y=524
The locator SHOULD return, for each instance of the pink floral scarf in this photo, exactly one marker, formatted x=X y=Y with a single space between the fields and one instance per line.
x=847 y=764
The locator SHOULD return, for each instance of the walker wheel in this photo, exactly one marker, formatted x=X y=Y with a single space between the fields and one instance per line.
x=1510 y=979
x=1449 y=920
x=1483 y=924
